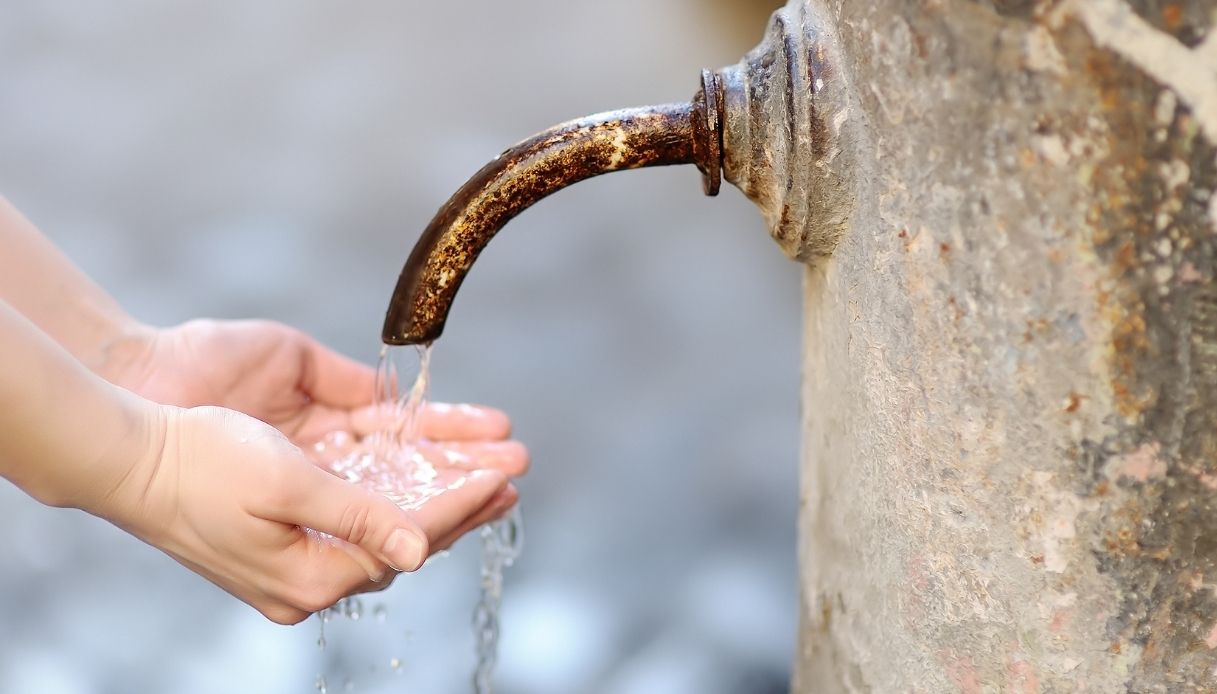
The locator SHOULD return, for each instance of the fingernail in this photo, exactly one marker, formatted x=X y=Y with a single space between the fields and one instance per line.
x=404 y=550
x=376 y=576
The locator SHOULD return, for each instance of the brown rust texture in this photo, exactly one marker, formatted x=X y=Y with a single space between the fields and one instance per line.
x=1150 y=222
x=513 y=182
x=1188 y=22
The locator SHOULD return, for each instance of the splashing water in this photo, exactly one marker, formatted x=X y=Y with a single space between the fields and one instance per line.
x=391 y=461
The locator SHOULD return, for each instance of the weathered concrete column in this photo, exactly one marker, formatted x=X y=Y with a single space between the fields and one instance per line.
x=1010 y=387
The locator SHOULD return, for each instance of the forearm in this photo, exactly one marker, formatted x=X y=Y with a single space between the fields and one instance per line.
x=41 y=283
x=67 y=437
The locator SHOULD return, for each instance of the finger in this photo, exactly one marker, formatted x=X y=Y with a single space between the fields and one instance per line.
x=444 y=422
x=247 y=591
x=331 y=448
x=494 y=509
x=440 y=515
x=318 y=421
x=313 y=498
x=438 y=421
x=504 y=502
x=320 y=570
x=375 y=569
x=335 y=380
x=376 y=586
x=374 y=419
x=508 y=457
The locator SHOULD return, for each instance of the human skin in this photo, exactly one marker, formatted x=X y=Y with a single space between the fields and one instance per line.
x=191 y=438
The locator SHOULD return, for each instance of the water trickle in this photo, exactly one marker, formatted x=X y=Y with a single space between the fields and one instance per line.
x=502 y=542
x=390 y=461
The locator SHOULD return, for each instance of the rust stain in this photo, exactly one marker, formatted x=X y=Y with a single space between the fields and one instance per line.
x=517 y=179
x=1073 y=402
x=1122 y=541
x=1157 y=518
x=1037 y=327
x=957 y=311
x=1027 y=158
x=1172 y=17
x=919 y=44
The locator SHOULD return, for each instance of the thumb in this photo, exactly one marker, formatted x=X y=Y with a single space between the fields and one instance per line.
x=397 y=537
x=318 y=500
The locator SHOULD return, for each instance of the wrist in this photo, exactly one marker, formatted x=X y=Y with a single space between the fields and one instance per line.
x=67 y=437
x=123 y=354
x=89 y=325
x=115 y=483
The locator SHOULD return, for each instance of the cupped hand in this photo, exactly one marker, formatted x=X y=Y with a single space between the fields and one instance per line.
x=265 y=369
x=234 y=500
x=287 y=379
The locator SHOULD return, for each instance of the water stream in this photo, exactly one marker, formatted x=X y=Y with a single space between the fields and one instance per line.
x=391 y=462
x=502 y=542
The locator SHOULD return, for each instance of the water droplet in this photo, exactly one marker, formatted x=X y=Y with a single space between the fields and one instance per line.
x=381 y=612
x=395 y=663
x=321 y=686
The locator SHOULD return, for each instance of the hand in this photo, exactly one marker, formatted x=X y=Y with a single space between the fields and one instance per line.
x=409 y=472
x=226 y=495
x=285 y=378
x=288 y=380
x=230 y=497
x=316 y=398
x=264 y=369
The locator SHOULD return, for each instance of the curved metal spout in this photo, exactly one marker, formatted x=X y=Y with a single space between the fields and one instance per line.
x=777 y=126
x=514 y=181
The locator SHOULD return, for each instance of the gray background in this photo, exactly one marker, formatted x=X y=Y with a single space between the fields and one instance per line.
x=277 y=159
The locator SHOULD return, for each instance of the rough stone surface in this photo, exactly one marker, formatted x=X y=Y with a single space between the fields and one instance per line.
x=1010 y=376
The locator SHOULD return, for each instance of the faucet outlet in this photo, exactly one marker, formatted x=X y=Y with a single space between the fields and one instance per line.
x=776 y=126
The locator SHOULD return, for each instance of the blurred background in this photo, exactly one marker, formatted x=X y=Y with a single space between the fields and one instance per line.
x=278 y=159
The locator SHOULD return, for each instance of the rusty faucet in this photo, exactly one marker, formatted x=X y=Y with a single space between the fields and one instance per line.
x=776 y=126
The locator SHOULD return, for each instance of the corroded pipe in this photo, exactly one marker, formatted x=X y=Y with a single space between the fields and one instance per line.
x=776 y=126
x=514 y=181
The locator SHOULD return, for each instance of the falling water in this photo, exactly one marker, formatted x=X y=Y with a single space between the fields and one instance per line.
x=389 y=461
x=502 y=542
